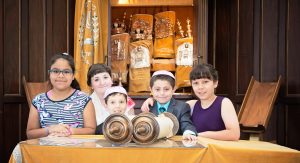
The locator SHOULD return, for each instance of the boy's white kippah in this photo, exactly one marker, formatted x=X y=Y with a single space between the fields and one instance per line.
x=163 y=72
x=114 y=89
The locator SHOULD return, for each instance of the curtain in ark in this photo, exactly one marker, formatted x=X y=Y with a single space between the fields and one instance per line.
x=90 y=37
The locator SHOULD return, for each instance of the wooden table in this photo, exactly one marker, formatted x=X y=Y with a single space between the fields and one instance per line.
x=91 y=148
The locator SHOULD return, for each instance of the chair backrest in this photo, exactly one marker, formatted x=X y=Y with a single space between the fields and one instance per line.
x=34 y=88
x=258 y=103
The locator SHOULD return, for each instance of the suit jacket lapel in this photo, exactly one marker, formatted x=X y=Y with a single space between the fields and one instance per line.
x=172 y=105
x=154 y=109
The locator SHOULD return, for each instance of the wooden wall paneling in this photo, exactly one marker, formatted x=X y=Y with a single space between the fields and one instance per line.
x=233 y=47
x=37 y=40
x=271 y=131
x=196 y=33
x=257 y=38
x=281 y=110
x=1 y=79
x=200 y=33
x=71 y=17
x=60 y=31
x=222 y=35
x=41 y=28
x=269 y=37
x=282 y=50
x=11 y=127
x=24 y=66
x=24 y=41
x=49 y=34
x=281 y=124
x=293 y=127
x=266 y=52
x=245 y=44
x=211 y=31
x=12 y=49
x=23 y=120
x=292 y=94
x=59 y=28
x=293 y=43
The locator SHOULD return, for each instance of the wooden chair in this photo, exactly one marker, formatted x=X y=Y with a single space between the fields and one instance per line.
x=34 y=88
x=257 y=107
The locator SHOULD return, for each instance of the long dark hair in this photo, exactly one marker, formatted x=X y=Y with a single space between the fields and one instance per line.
x=70 y=60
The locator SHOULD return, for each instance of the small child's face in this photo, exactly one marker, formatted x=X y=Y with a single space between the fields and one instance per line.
x=61 y=80
x=204 y=88
x=101 y=82
x=116 y=103
x=162 y=91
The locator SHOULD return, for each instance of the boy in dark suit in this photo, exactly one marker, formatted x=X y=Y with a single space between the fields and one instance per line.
x=162 y=86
